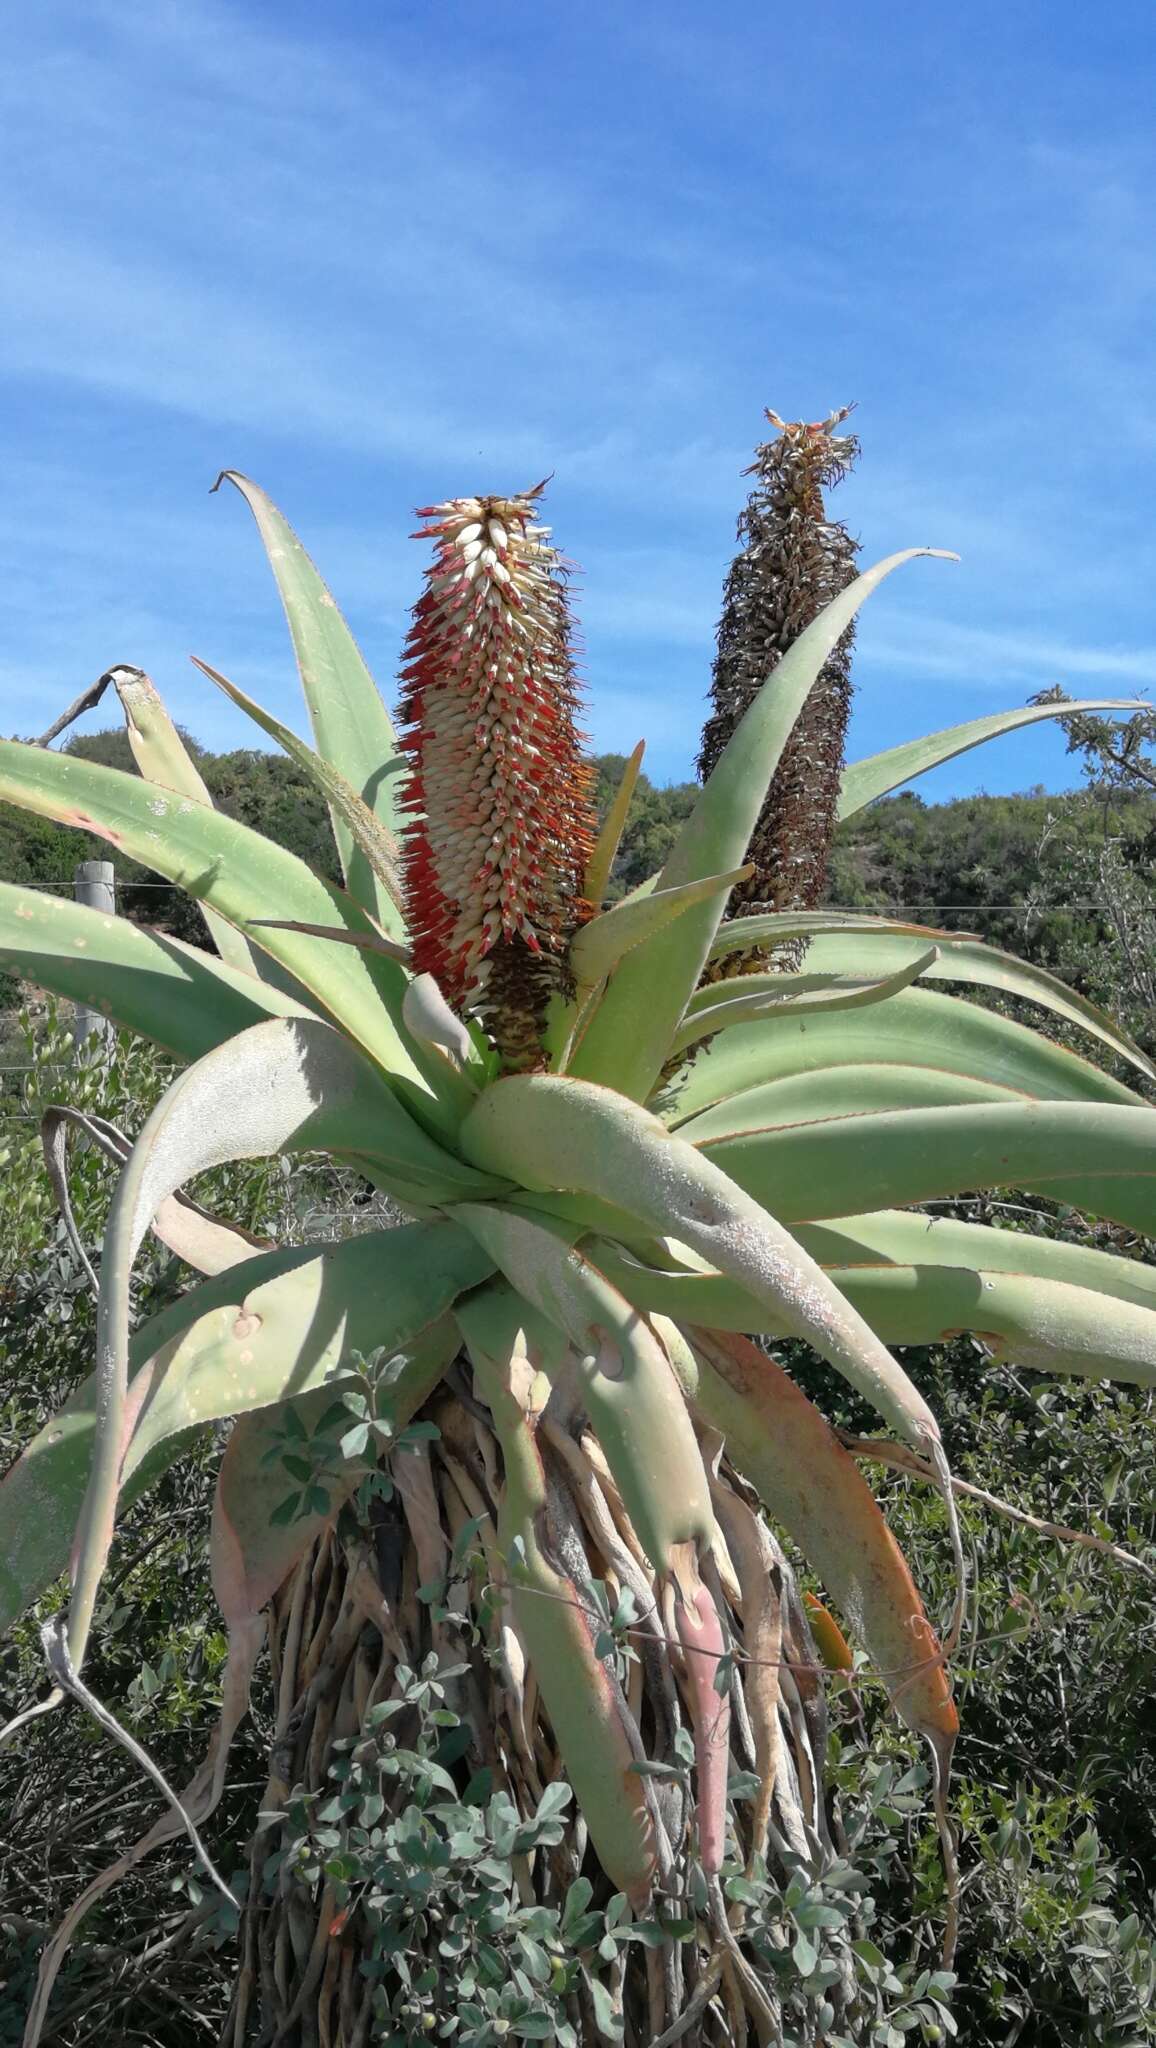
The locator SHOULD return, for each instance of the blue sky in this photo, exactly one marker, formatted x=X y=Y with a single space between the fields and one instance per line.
x=380 y=253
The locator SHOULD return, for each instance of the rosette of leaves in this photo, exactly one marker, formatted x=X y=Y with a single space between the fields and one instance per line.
x=550 y=1471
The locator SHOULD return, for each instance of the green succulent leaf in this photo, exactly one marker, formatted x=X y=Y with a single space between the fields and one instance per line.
x=548 y=1132
x=283 y=1085
x=836 y=992
x=1045 y=1323
x=1041 y=1325
x=234 y=870
x=373 y=840
x=600 y=945
x=626 y=1380
x=432 y=1022
x=352 y=728
x=895 y=1237
x=849 y=1090
x=865 y=780
x=1095 y=1156
x=369 y=942
x=629 y=1037
x=887 y=950
x=162 y=756
x=606 y=846
x=916 y=1028
x=181 y=998
x=738 y=934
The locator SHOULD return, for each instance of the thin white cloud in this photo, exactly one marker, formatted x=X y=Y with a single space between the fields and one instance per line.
x=993 y=659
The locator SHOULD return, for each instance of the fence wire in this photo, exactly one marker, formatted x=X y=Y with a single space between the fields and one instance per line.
x=849 y=909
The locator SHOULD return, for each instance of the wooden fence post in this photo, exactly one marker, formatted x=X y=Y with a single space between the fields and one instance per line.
x=94 y=883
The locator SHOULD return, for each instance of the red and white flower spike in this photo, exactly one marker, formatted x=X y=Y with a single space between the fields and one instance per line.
x=500 y=791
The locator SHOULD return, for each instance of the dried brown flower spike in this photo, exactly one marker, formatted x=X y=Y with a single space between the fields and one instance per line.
x=793 y=561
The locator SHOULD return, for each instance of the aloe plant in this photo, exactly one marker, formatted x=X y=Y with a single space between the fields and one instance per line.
x=522 y=1433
